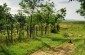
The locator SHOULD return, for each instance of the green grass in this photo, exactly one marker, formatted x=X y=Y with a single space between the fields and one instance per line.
x=23 y=48
x=28 y=47
x=78 y=31
x=80 y=47
x=32 y=45
x=51 y=40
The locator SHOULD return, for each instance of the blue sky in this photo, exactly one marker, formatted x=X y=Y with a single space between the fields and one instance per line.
x=71 y=7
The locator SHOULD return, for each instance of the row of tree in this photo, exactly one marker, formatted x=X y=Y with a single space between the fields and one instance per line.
x=35 y=17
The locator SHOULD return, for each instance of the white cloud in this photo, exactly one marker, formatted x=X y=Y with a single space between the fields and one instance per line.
x=70 y=6
x=13 y=4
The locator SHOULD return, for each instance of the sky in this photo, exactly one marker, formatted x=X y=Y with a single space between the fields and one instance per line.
x=71 y=7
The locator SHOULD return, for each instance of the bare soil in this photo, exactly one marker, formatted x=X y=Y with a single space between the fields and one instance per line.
x=61 y=50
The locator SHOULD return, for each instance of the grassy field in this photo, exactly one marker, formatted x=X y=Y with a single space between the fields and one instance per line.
x=74 y=31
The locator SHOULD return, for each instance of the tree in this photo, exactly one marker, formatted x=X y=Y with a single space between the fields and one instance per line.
x=47 y=12
x=82 y=8
x=40 y=20
x=5 y=19
x=60 y=14
x=29 y=7
x=21 y=19
x=3 y=13
x=10 y=24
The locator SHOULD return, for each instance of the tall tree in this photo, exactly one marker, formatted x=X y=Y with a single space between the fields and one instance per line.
x=21 y=23
x=40 y=20
x=47 y=11
x=29 y=7
x=6 y=20
x=60 y=15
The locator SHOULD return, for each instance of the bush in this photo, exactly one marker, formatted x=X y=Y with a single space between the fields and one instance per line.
x=53 y=31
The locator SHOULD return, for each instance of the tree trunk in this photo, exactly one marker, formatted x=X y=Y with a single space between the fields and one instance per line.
x=31 y=27
x=58 y=28
x=11 y=32
x=17 y=28
x=46 y=29
x=54 y=29
x=36 y=30
x=21 y=33
x=8 y=35
x=41 y=29
x=27 y=31
x=33 y=30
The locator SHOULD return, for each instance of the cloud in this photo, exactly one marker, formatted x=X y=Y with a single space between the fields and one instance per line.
x=13 y=4
x=71 y=7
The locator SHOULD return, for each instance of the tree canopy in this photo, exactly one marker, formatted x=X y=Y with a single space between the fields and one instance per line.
x=82 y=8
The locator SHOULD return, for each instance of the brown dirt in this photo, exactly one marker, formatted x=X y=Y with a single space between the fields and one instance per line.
x=62 y=50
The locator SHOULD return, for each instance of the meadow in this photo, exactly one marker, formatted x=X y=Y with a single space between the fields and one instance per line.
x=74 y=31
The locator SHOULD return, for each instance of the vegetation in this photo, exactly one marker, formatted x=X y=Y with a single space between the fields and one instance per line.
x=82 y=8
x=38 y=25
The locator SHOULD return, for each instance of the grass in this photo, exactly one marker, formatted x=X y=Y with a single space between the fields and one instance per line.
x=23 y=48
x=80 y=47
x=52 y=40
x=30 y=46
x=78 y=31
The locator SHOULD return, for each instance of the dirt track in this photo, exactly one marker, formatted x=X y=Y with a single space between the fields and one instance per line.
x=62 y=50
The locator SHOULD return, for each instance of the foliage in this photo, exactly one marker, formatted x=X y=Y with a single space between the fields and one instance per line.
x=82 y=8
x=4 y=14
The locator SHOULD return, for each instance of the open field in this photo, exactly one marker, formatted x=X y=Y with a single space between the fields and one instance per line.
x=42 y=27
x=52 y=43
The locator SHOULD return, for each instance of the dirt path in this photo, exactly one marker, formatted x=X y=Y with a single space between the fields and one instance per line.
x=62 y=50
